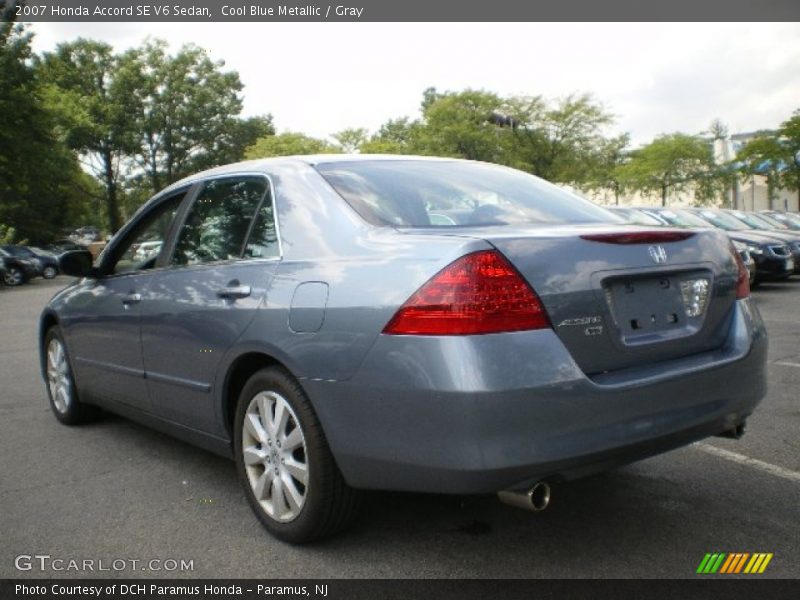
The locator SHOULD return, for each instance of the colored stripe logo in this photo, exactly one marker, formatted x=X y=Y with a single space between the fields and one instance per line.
x=734 y=562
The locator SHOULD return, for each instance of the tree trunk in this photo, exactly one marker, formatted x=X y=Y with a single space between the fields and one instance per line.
x=112 y=204
x=663 y=195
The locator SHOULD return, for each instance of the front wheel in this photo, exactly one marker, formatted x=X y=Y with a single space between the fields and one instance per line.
x=14 y=276
x=282 y=457
x=61 y=384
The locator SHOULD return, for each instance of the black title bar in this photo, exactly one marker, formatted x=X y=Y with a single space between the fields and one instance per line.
x=401 y=10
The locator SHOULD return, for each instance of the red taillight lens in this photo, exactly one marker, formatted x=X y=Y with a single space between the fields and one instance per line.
x=478 y=293
x=743 y=277
x=638 y=237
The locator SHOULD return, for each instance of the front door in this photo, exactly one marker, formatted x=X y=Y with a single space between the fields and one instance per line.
x=104 y=336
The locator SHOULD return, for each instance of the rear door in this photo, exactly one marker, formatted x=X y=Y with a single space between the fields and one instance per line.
x=219 y=267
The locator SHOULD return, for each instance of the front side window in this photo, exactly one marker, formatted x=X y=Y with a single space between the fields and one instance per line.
x=141 y=247
x=219 y=221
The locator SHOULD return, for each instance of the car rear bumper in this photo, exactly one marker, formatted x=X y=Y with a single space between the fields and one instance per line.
x=774 y=267
x=479 y=414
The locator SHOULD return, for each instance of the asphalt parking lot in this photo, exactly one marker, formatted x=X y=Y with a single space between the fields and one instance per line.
x=116 y=490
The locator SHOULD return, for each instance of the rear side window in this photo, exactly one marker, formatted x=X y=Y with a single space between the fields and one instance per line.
x=415 y=193
x=220 y=220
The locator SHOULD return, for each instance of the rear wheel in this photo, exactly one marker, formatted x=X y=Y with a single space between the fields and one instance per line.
x=288 y=472
x=61 y=384
x=49 y=272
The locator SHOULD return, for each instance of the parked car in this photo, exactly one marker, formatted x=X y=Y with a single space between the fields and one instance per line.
x=2 y=271
x=789 y=220
x=774 y=260
x=86 y=235
x=759 y=224
x=305 y=317
x=18 y=269
x=147 y=250
x=65 y=245
x=677 y=217
x=635 y=215
x=48 y=259
x=47 y=263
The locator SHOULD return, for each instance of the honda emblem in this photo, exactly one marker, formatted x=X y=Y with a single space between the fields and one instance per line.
x=658 y=254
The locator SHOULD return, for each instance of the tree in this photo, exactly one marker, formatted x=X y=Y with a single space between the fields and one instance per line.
x=97 y=108
x=672 y=164
x=351 y=139
x=396 y=136
x=789 y=137
x=187 y=108
x=560 y=141
x=459 y=124
x=42 y=189
x=763 y=155
x=606 y=170
x=289 y=144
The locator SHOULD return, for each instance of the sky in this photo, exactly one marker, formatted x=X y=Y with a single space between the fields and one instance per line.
x=319 y=78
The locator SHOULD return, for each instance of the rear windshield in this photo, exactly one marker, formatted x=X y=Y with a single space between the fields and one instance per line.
x=417 y=193
x=683 y=219
x=723 y=221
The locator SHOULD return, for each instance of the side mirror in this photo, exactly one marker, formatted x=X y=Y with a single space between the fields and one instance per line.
x=77 y=263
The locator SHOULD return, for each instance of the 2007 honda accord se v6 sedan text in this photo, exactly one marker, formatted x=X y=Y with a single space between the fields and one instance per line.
x=341 y=323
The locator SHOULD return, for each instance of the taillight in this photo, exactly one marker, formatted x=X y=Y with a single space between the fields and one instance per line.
x=743 y=277
x=638 y=237
x=478 y=293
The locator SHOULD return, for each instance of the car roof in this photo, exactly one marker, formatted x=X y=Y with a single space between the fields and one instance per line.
x=267 y=164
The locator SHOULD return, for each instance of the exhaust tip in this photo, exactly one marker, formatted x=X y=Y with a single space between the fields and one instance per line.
x=736 y=433
x=540 y=496
x=535 y=499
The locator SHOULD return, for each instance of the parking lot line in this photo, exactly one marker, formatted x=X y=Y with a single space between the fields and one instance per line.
x=786 y=363
x=750 y=462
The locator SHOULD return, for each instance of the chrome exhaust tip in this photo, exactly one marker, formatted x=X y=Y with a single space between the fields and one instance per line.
x=535 y=499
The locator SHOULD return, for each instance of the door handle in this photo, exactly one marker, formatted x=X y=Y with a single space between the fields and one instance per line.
x=132 y=298
x=232 y=292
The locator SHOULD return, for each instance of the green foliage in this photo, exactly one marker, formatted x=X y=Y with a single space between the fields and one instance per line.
x=289 y=144
x=563 y=140
x=672 y=164
x=458 y=124
x=8 y=235
x=184 y=112
x=771 y=153
x=41 y=184
x=351 y=139
x=91 y=91
x=396 y=136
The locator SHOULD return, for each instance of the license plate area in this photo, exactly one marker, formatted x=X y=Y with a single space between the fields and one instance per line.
x=655 y=308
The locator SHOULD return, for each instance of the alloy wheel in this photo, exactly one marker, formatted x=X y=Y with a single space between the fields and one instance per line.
x=275 y=457
x=14 y=276
x=58 y=379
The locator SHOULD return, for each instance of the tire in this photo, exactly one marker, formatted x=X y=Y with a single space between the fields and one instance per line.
x=61 y=389
x=49 y=272
x=14 y=276
x=311 y=500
